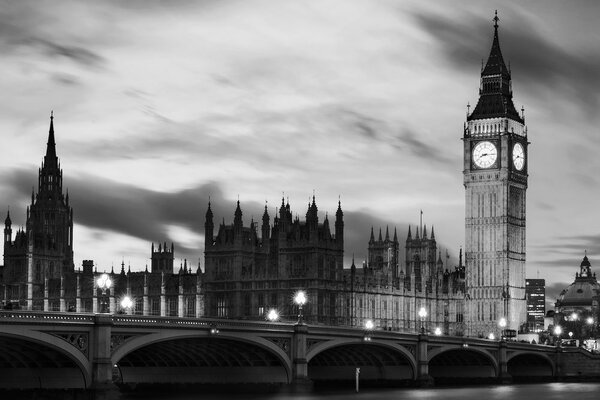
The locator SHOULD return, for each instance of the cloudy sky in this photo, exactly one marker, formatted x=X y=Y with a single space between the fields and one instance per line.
x=160 y=105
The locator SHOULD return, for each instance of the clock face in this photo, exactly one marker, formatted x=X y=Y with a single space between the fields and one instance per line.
x=518 y=156
x=484 y=154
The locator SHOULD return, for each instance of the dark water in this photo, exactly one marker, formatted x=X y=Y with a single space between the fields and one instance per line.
x=543 y=391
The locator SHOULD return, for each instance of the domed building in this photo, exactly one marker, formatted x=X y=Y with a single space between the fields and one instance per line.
x=577 y=306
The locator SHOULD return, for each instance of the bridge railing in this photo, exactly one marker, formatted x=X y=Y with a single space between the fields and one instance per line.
x=177 y=322
x=21 y=317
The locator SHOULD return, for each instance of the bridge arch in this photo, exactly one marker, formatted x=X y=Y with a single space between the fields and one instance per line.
x=473 y=362
x=338 y=359
x=41 y=360
x=529 y=364
x=195 y=357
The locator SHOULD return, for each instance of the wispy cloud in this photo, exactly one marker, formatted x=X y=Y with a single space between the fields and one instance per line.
x=543 y=66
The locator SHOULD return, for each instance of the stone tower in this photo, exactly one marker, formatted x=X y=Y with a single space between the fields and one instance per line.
x=45 y=249
x=495 y=180
x=162 y=259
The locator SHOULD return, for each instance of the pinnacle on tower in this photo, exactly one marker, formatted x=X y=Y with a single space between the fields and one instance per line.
x=387 y=233
x=395 y=235
x=209 y=213
x=51 y=145
x=7 y=221
x=372 y=239
x=409 y=234
x=379 y=239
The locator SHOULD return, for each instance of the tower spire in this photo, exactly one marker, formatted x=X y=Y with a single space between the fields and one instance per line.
x=51 y=145
x=495 y=91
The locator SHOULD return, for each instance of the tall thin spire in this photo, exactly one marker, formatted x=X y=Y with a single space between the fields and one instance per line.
x=51 y=145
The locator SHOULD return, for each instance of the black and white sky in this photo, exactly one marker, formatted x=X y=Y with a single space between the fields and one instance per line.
x=160 y=104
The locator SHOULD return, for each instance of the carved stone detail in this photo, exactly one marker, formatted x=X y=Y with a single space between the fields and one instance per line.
x=283 y=343
x=118 y=340
x=78 y=340
x=410 y=347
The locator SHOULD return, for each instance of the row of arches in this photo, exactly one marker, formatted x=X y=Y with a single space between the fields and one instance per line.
x=37 y=363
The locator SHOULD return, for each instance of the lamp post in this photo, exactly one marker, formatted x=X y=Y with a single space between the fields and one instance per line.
x=438 y=331
x=590 y=323
x=104 y=283
x=422 y=315
x=574 y=316
x=127 y=304
x=557 y=333
x=369 y=325
x=300 y=300
x=273 y=315
x=502 y=325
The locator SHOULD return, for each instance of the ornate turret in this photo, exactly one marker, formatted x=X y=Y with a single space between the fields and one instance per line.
x=339 y=225
x=312 y=218
x=7 y=228
x=208 y=227
x=266 y=228
x=237 y=219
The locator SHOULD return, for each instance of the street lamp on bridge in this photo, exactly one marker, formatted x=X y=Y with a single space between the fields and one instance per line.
x=273 y=315
x=369 y=325
x=104 y=283
x=502 y=325
x=127 y=304
x=422 y=315
x=300 y=300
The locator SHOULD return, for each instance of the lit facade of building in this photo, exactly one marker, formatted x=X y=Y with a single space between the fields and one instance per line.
x=536 y=304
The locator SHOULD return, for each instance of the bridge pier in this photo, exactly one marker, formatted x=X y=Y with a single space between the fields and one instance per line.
x=503 y=375
x=300 y=380
x=558 y=361
x=423 y=377
x=102 y=387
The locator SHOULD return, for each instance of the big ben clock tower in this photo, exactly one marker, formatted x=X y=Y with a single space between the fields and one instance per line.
x=495 y=180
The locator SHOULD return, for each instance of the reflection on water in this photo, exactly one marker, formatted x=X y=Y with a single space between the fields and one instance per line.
x=545 y=391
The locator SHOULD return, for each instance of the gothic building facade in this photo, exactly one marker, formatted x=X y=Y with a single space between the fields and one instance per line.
x=44 y=249
x=247 y=274
x=495 y=179
x=392 y=296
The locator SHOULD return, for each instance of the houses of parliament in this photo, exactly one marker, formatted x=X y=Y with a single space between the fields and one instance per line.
x=250 y=269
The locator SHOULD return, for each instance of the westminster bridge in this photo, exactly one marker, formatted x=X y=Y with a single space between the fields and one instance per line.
x=86 y=351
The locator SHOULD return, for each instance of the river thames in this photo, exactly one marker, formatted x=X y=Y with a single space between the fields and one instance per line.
x=545 y=391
